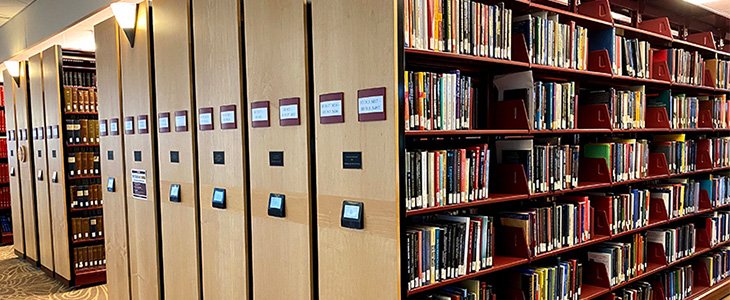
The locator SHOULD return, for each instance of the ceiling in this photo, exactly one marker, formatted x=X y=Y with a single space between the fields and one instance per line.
x=722 y=6
x=10 y=8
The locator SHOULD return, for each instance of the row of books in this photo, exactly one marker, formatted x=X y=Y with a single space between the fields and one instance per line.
x=89 y=257
x=717 y=187
x=4 y=173
x=717 y=224
x=470 y=289
x=561 y=223
x=676 y=242
x=624 y=211
x=87 y=228
x=677 y=283
x=444 y=247
x=5 y=224
x=720 y=71
x=86 y=195
x=687 y=67
x=5 y=197
x=626 y=107
x=444 y=177
x=641 y=290
x=438 y=101
x=83 y=163
x=458 y=26
x=633 y=57
x=562 y=280
x=549 y=165
x=720 y=152
x=3 y=146
x=550 y=42
x=682 y=111
x=79 y=78
x=719 y=107
x=82 y=131
x=681 y=196
x=556 y=105
x=621 y=261
x=680 y=153
x=717 y=265
x=3 y=127
x=626 y=158
x=80 y=99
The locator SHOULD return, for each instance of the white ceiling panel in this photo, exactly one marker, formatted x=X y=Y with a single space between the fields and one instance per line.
x=10 y=8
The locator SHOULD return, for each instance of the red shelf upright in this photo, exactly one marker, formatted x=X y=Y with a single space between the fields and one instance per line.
x=659 y=26
x=598 y=9
x=595 y=274
x=510 y=114
x=658 y=211
x=709 y=80
x=658 y=164
x=657 y=117
x=591 y=116
x=705 y=115
x=513 y=243
x=512 y=179
x=600 y=61
x=519 y=48
x=594 y=170
x=704 y=157
x=705 y=39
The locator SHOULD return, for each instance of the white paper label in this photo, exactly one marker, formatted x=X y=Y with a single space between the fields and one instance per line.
x=181 y=121
x=142 y=124
x=139 y=184
x=228 y=117
x=206 y=119
x=165 y=122
x=330 y=108
x=275 y=202
x=112 y=127
x=102 y=128
x=288 y=112
x=352 y=211
x=260 y=114
x=128 y=125
x=368 y=105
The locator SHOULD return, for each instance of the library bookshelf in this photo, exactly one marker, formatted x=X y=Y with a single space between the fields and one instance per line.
x=380 y=58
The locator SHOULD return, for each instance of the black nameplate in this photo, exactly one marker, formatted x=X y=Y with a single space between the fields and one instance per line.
x=276 y=205
x=137 y=155
x=352 y=160
x=174 y=193
x=219 y=198
x=40 y=154
x=276 y=158
x=174 y=156
x=53 y=153
x=110 y=184
x=352 y=215
x=219 y=157
x=110 y=155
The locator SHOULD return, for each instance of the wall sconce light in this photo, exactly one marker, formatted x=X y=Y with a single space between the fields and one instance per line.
x=126 y=15
x=13 y=68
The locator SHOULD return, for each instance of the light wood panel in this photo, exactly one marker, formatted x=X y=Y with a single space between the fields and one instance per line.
x=27 y=174
x=144 y=249
x=115 y=201
x=38 y=122
x=354 y=47
x=56 y=156
x=15 y=200
x=179 y=220
x=276 y=65
x=217 y=61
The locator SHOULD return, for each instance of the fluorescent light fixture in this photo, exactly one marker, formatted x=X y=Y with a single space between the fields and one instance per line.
x=700 y=1
x=126 y=15
x=13 y=68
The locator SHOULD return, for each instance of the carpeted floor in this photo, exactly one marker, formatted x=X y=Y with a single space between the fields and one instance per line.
x=20 y=280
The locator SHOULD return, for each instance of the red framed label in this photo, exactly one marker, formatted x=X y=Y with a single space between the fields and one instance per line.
x=129 y=125
x=114 y=126
x=332 y=108
x=102 y=128
x=228 y=117
x=163 y=121
x=371 y=104
x=260 y=114
x=143 y=125
x=289 y=112
x=181 y=121
x=205 y=118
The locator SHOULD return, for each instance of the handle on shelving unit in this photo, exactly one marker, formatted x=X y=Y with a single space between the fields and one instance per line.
x=705 y=39
x=657 y=117
x=511 y=114
x=658 y=164
x=658 y=212
x=659 y=26
x=598 y=9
